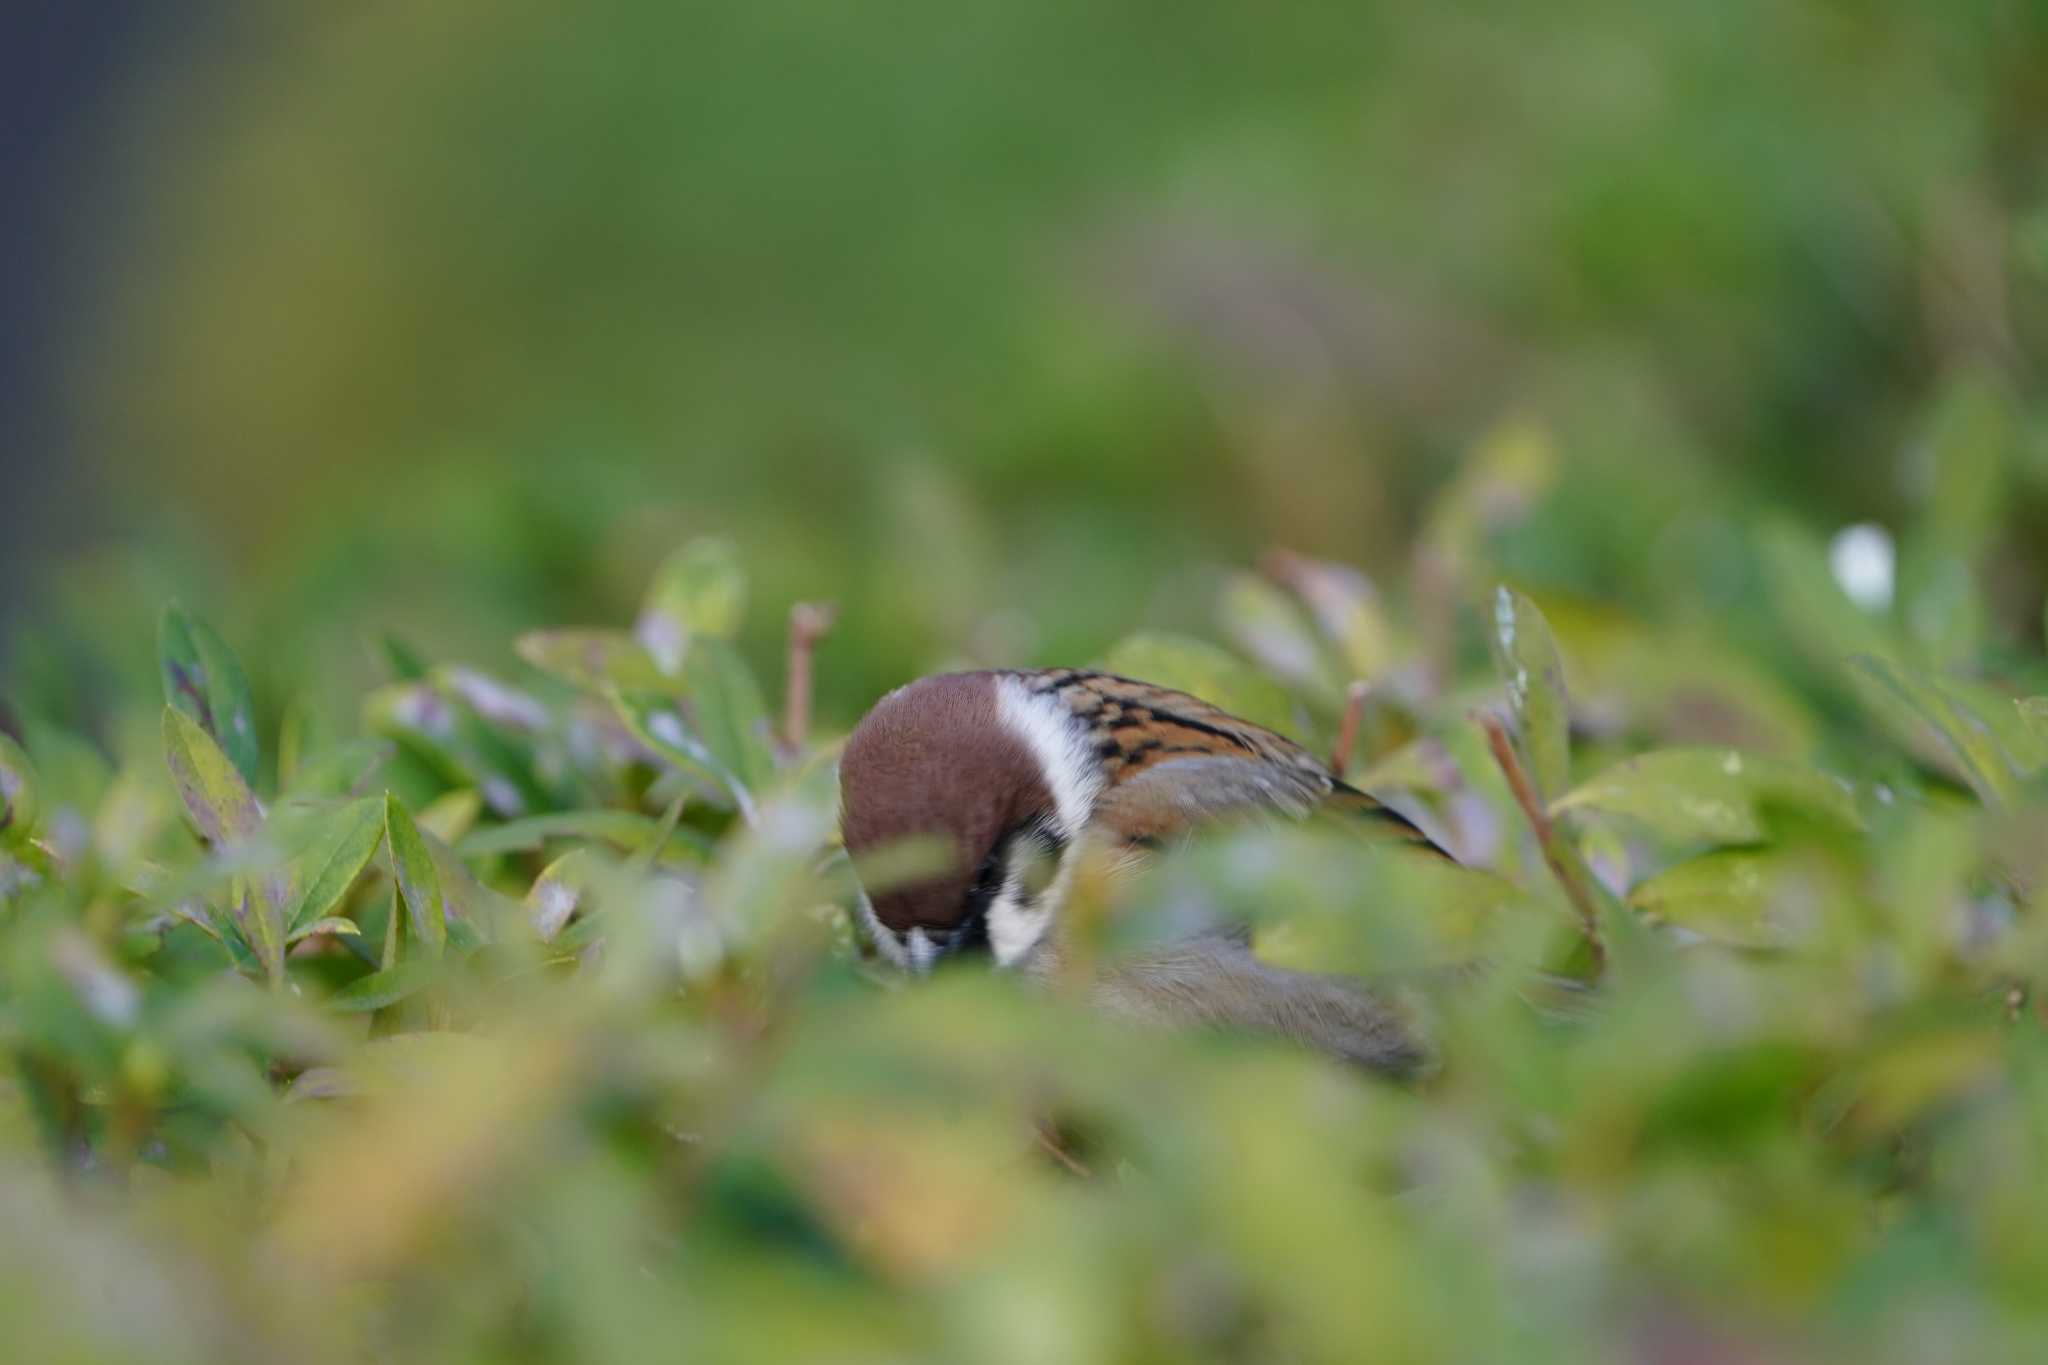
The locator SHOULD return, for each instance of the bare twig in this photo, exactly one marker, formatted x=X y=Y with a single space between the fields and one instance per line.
x=1049 y=1143
x=1566 y=869
x=808 y=623
x=1347 y=729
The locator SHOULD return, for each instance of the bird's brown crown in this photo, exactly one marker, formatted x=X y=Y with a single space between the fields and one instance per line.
x=934 y=759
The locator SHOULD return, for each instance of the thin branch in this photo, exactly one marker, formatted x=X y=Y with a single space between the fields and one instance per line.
x=1049 y=1143
x=809 y=622
x=1347 y=729
x=1568 y=872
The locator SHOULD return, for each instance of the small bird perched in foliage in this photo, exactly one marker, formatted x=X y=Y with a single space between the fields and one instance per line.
x=1018 y=772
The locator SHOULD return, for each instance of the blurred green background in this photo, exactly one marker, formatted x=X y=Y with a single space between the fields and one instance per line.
x=1005 y=325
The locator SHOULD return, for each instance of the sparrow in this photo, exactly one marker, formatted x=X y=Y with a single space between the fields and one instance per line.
x=1017 y=772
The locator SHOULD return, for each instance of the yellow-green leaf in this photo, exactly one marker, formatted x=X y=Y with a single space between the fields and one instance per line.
x=623 y=829
x=19 y=798
x=1964 y=736
x=347 y=840
x=203 y=680
x=387 y=987
x=700 y=590
x=591 y=659
x=419 y=885
x=329 y=925
x=1711 y=795
x=222 y=807
x=1534 y=672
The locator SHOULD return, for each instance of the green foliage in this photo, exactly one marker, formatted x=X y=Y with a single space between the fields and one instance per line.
x=419 y=981
x=203 y=679
x=1734 y=1045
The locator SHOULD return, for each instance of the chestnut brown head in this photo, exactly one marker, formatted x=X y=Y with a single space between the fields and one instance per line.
x=947 y=758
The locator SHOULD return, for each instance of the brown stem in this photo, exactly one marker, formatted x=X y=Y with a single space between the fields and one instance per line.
x=1049 y=1143
x=808 y=624
x=1347 y=729
x=1566 y=870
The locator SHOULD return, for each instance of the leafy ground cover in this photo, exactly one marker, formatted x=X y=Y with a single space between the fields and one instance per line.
x=517 y=1017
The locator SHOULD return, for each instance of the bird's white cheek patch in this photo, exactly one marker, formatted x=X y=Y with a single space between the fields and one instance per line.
x=1015 y=925
x=1060 y=744
x=921 y=951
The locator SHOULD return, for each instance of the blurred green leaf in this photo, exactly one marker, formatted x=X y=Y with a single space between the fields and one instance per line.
x=450 y=815
x=344 y=927
x=440 y=728
x=222 y=807
x=419 y=884
x=657 y=721
x=700 y=590
x=559 y=891
x=342 y=770
x=401 y=660
x=1347 y=609
x=381 y=989
x=649 y=851
x=226 y=814
x=592 y=659
x=624 y=830
x=1711 y=795
x=346 y=842
x=18 y=795
x=203 y=679
x=1268 y=625
x=1738 y=898
x=1965 y=738
x=730 y=713
x=1534 y=672
x=1510 y=471
x=2033 y=713
x=1812 y=608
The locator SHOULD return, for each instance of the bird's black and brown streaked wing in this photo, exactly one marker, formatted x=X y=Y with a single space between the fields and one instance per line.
x=1173 y=761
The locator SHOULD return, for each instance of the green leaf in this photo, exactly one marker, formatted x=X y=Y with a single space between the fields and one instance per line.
x=344 y=769
x=450 y=815
x=592 y=659
x=1511 y=471
x=226 y=813
x=343 y=847
x=1729 y=897
x=645 y=855
x=446 y=734
x=623 y=829
x=1711 y=795
x=419 y=885
x=700 y=590
x=1965 y=738
x=329 y=925
x=559 y=891
x=222 y=807
x=1526 y=652
x=379 y=989
x=1347 y=609
x=2033 y=713
x=730 y=712
x=657 y=721
x=1207 y=671
x=1269 y=626
x=401 y=660
x=203 y=680
x=294 y=742
x=1815 y=613
x=19 y=795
